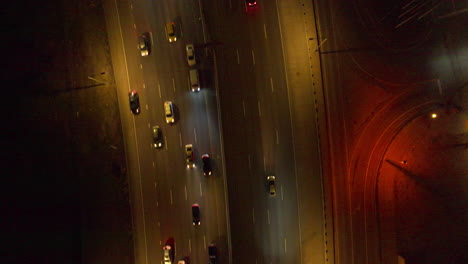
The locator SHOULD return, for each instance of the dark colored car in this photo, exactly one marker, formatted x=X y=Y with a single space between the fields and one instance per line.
x=134 y=100
x=206 y=164
x=144 y=43
x=272 y=184
x=212 y=253
x=157 y=137
x=196 y=214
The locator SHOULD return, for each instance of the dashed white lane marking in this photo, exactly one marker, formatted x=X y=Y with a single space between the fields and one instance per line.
x=190 y=245
x=170 y=193
x=250 y=162
x=195 y=134
x=173 y=84
x=180 y=139
x=285 y=246
x=159 y=89
x=141 y=66
x=271 y=84
x=264 y=164
x=268 y=215
x=253 y=215
x=185 y=190
x=243 y=107
x=265 y=31
x=253 y=57
x=277 y=137
x=259 y=109
x=144 y=86
x=201 y=192
x=238 y=58
x=282 y=197
x=134 y=26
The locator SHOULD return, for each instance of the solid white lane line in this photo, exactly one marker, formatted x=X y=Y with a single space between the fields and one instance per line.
x=277 y=137
x=170 y=193
x=268 y=214
x=253 y=57
x=159 y=89
x=202 y=21
x=238 y=58
x=201 y=193
x=271 y=84
x=195 y=134
x=282 y=197
x=140 y=189
x=180 y=139
x=185 y=190
x=259 y=109
x=265 y=31
x=173 y=84
x=243 y=107
x=253 y=215
x=190 y=245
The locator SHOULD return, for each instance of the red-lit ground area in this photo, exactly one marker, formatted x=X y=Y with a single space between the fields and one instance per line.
x=398 y=177
x=424 y=179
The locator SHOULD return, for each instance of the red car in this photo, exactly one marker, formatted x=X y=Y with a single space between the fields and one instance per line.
x=251 y=3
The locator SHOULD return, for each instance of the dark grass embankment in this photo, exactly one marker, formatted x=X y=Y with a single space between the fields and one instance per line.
x=66 y=185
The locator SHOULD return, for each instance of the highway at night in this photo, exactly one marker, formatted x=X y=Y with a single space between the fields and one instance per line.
x=264 y=110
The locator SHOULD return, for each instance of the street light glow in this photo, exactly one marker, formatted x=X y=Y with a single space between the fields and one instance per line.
x=434 y=115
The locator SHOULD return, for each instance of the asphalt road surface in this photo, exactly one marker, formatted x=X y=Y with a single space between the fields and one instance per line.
x=248 y=116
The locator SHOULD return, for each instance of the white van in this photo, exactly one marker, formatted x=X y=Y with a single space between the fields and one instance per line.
x=194 y=80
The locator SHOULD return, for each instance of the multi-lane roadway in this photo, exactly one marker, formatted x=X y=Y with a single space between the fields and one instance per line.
x=254 y=115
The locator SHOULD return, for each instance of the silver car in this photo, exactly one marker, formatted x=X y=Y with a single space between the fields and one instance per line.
x=191 y=59
x=189 y=156
x=144 y=44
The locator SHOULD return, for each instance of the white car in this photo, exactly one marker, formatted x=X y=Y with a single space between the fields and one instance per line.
x=167 y=254
x=191 y=59
x=169 y=112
